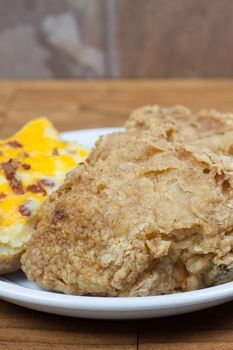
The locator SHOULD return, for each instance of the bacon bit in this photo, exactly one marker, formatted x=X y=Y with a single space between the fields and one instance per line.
x=26 y=166
x=24 y=210
x=14 y=144
x=2 y=195
x=47 y=182
x=17 y=186
x=36 y=188
x=9 y=169
x=55 y=152
x=1 y=153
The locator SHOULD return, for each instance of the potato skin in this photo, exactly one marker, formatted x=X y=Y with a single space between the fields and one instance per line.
x=10 y=262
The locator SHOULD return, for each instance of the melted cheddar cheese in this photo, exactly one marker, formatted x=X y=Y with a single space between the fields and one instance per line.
x=33 y=163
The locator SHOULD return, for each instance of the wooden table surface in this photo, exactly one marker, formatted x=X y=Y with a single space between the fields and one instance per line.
x=75 y=105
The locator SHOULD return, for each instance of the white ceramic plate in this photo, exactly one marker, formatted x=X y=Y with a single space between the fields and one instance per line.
x=17 y=289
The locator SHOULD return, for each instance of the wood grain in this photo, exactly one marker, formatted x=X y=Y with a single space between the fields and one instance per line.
x=78 y=104
x=116 y=38
x=207 y=329
x=174 y=38
x=86 y=104
x=25 y=329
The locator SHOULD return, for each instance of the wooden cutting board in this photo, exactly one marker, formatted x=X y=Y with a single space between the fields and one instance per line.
x=86 y=104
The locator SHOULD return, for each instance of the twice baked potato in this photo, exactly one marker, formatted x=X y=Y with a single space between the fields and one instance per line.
x=34 y=163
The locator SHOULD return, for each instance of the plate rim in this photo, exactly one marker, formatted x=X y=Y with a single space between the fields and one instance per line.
x=13 y=291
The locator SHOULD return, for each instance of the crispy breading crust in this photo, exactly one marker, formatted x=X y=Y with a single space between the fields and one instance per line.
x=151 y=212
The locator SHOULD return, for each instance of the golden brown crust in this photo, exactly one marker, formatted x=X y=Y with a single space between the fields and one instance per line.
x=180 y=124
x=151 y=212
x=10 y=262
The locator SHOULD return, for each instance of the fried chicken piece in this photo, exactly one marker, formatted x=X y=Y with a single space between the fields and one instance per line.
x=208 y=128
x=150 y=212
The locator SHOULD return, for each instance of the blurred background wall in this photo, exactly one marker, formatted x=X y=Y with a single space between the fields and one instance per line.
x=115 y=38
